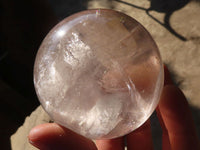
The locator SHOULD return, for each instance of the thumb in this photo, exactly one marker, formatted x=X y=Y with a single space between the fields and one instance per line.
x=52 y=136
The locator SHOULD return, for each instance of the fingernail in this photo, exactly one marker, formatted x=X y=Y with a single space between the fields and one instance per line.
x=38 y=145
x=33 y=139
x=33 y=134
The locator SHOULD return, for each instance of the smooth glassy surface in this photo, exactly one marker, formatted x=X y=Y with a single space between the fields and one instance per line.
x=99 y=73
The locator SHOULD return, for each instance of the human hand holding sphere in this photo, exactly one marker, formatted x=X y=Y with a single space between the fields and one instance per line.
x=98 y=73
x=174 y=116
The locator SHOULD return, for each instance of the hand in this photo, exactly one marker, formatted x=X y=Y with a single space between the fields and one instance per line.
x=174 y=116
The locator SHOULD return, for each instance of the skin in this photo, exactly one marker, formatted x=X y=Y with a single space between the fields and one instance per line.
x=174 y=116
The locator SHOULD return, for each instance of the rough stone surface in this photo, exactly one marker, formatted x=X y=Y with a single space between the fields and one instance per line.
x=19 y=140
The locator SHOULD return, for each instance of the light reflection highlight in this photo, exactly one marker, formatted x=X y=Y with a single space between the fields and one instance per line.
x=60 y=33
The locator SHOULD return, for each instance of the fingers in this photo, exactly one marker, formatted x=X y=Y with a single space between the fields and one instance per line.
x=165 y=137
x=177 y=119
x=141 y=138
x=113 y=144
x=53 y=136
x=167 y=79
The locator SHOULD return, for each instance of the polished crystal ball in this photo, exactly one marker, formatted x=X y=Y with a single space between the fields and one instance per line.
x=99 y=73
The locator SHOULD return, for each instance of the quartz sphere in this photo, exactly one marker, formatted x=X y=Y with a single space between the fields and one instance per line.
x=99 y=73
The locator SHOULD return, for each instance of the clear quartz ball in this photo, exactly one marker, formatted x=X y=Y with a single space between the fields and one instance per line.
x=99 y=73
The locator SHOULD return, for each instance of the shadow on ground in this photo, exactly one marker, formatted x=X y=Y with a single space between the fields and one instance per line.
x=164 y=6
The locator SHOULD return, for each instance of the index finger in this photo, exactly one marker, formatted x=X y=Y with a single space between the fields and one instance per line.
x=177 y=119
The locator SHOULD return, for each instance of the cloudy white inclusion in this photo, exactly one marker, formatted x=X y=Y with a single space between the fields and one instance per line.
x=76 y=51
x=53 y=74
